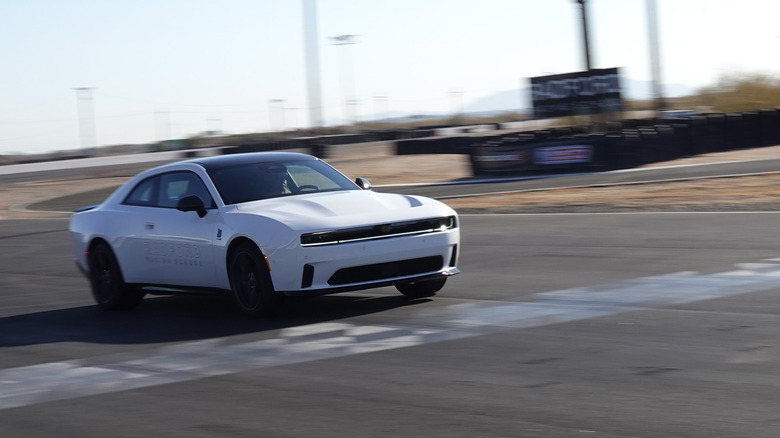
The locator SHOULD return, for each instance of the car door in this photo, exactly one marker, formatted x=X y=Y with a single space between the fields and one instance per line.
x=173 y=248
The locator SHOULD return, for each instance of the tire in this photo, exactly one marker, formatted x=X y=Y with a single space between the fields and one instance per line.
x=421 y=289
x=108 y=285
x=250 y=282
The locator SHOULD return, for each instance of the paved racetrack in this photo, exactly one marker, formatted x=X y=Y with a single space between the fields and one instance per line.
x=609 y=325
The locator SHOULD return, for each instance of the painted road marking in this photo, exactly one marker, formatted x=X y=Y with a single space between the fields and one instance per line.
x=41 y=383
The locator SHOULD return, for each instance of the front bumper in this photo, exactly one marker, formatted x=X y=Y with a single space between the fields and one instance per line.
x=371 y=285
x=361 y=265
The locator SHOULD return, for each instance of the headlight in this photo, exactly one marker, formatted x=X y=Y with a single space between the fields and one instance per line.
x=381 y=231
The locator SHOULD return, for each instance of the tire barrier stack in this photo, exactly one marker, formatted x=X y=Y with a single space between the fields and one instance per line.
x=319 y=145
x=465 y=143
x=539 y=152
x=436 y=145
x=628 y=143
x=408 y=137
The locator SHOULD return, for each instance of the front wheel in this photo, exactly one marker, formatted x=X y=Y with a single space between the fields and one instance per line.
x=250 y=282
x=421 y=289
x=108 y=286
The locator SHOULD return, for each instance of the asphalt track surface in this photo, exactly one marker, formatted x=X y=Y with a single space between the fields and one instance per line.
x=560 y=325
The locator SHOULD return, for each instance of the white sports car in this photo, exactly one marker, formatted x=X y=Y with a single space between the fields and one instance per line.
x=260 y=225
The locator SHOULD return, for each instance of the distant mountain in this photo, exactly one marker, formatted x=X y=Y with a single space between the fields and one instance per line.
x=518 y=101
x=642 y=90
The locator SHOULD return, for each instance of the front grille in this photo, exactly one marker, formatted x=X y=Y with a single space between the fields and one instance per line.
x=382 y=231
x=382 y=271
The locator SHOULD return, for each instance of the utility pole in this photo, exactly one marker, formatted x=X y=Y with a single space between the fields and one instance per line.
x=312 y=55
x=655 y=57
x=585 y=34
x=86 y=112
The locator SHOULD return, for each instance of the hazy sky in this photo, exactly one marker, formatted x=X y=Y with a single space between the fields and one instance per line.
x=174 y=68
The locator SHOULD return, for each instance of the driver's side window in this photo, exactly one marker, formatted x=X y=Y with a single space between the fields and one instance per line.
x=177 y=185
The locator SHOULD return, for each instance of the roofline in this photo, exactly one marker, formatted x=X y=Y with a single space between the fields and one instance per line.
x=219 y=161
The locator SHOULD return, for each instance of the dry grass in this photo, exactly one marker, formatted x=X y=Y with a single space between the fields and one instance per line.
x=721 y=194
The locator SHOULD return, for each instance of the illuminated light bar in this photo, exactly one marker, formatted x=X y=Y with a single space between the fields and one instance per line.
x=377 y=232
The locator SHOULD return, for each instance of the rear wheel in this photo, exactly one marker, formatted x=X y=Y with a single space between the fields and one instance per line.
x=421 y=289
x=108 y=286
x=250 y=281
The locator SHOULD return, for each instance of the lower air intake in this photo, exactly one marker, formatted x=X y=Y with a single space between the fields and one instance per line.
x=383 y=271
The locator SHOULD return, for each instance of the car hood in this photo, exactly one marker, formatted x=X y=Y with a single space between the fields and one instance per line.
x=344 y=209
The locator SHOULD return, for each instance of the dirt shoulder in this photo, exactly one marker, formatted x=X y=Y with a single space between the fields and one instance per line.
x=377 y=162
x=752 y=193
x=748 y=193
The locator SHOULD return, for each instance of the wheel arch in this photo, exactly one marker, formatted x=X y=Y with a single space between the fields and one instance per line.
x=101 y=240
x=97 y=240
x=109 y=287
x=240 y=240
x=235 y=243
x=267 y=297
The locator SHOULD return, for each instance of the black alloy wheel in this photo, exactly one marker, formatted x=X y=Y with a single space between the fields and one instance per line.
x=108 y=286
x=250 y=281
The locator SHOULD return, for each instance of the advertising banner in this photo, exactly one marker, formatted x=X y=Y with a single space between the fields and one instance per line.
x=532 y=157
x=563 y=155
x=588 y=92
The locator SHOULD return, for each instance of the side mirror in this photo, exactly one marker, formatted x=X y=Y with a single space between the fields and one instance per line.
x=363 y=183
x=192 y=203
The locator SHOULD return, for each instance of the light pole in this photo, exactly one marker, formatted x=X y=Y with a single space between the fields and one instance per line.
x=347 y=83
x=86 y=112
x=585 y=33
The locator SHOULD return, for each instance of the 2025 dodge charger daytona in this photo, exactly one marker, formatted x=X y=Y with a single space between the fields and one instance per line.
x=260 y=226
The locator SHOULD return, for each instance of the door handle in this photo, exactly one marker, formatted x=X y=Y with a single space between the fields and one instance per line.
x=149 y=226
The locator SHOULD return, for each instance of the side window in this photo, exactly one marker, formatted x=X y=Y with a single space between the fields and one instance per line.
x=167 y=189
x=177 y=185
x=145 y=193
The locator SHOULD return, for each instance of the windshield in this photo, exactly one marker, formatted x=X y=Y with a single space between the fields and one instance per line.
x=255 y=181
